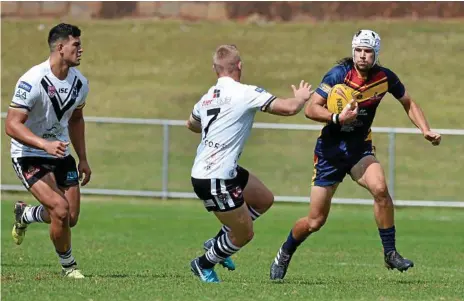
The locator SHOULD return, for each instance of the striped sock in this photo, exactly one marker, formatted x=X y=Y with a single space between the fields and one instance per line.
x=253 y=213
x=254 y=216
x=221 y=249
x=66 y=258
x=33 y=214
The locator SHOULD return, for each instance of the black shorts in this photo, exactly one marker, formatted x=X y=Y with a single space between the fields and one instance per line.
x=222 y=195
x=31 y=169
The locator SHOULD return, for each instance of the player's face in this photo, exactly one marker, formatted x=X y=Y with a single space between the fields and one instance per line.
x=72 y=51
x=364 y=58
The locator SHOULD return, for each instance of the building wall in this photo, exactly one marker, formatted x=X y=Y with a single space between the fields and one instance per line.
x=193 y=10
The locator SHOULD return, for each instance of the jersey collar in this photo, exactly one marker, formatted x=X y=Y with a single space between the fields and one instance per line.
x=225 y=79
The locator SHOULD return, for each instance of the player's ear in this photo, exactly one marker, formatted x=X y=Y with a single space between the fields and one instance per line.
x=239 y=65
x=59 y=47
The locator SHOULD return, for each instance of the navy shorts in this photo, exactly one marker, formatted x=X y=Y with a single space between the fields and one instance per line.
x=331 y=165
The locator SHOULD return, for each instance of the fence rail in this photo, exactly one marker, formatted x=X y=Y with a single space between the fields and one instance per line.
x=165 y=193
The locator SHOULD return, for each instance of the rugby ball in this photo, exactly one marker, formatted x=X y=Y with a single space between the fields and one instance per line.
x=339 y=96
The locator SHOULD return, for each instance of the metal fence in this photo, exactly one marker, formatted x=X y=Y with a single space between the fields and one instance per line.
x=165 y=193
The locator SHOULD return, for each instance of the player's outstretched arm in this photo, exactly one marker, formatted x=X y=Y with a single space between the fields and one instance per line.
x=291 y=106
x=193 y=124
x=417 y=117
x=15 y=128
x=76 y=125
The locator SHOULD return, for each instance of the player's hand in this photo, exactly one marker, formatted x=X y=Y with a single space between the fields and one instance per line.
x=84 y=172
x=303 y=92
x=433 y=137
x=56 y=148
x=349 y=113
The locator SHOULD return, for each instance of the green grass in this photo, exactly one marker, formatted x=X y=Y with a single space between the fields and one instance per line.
x=159 y=69
x=140 y=250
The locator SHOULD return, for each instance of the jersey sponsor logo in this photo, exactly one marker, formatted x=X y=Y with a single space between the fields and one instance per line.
x=25 y=86
x=347 y=128
x=223 y=198
x=21 y=95
x=362 y=112
x=31 y=172
x=213 y=144
x=206 y=102
x=260 y=90
x=63 y=90
x=237 y=192
x=71 y=176
x=54 y=131
x=216 y=93
x=51 y=91
x=75 y=92
x=325 y=87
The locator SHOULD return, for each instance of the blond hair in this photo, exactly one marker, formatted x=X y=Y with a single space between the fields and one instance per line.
x=226 y=59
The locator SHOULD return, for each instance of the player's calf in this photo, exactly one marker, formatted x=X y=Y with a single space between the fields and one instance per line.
x=73 y=219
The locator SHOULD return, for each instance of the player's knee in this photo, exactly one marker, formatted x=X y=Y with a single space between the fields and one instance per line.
x=269 y=201
x=73 y=218
x=314 y=224
x=380 y=192
x=60 y=211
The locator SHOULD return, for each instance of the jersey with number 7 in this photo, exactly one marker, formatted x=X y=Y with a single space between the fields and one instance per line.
x=226 y=113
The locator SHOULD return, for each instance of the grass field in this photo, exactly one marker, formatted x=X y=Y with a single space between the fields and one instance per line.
x=140 y=250
x=159 y=69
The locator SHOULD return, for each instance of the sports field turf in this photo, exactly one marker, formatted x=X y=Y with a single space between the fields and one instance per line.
x=141 y=249
x=160 y=69
x=135 y=249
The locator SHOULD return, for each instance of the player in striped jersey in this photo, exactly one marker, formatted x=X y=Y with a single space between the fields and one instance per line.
x=224 y=117
x=44 y=116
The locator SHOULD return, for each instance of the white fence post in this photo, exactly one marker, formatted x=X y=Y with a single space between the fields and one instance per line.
x=391 y=163
x=165 y=171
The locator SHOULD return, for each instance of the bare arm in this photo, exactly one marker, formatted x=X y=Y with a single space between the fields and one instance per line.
x=76 y=126
x=316 y=110
x=414 y=112
x=193 y=124
x=416 y=115
x=15 y=128
x=286 y=106
x=291 y=106
x=77 y=133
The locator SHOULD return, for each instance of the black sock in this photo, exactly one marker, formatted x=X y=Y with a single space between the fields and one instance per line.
x=388 y=239
x=292 y=243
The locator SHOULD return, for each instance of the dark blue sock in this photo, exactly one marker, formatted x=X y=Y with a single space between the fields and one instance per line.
x=292 y=243
x=388 y=239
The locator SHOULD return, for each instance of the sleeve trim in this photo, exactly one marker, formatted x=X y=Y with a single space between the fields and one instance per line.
x=268 y=103
x=18 y=106
x=197 y=118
